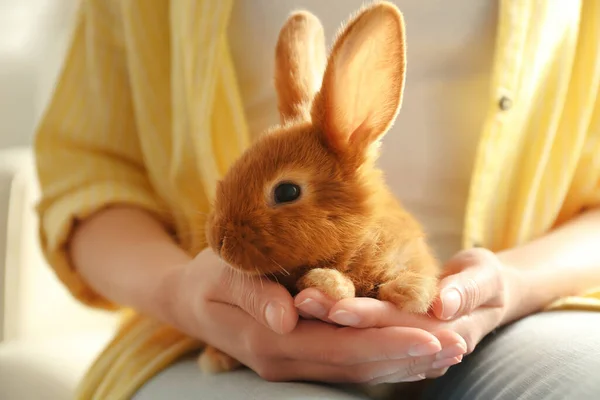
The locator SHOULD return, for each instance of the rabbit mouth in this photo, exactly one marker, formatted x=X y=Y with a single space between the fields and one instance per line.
x=245 y=271
x=255 y=268
x=244 y=257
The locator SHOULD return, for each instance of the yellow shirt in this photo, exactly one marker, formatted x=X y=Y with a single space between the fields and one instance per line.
x=148 y=113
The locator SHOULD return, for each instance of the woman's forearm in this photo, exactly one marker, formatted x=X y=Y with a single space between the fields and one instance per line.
x=564 y=262
x=125 y=255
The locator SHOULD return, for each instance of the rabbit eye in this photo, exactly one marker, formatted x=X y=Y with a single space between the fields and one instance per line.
x=286 y=193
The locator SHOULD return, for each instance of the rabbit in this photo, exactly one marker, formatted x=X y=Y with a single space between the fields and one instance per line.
x=305 y=204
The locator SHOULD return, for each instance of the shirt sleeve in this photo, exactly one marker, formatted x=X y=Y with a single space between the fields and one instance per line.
x=86 y=147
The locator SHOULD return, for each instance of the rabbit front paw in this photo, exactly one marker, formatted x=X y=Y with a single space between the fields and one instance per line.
x=214 y=361
x=330 y=282
x=410 y=292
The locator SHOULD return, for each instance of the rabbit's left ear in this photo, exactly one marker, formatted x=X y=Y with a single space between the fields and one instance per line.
x=299 y=64
x=364 y=80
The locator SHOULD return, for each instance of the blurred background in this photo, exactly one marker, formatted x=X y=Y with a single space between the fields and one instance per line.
x=34 y=36
x=46 y=338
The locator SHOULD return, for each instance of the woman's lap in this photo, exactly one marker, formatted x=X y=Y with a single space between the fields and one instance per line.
x=553 y=355
x=183 y=381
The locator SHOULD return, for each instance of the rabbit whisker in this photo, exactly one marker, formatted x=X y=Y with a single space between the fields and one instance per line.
x=285 y=271
x=274 y=276
x=259 y=277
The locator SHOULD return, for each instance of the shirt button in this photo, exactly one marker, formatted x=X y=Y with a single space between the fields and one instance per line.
x=505 y=103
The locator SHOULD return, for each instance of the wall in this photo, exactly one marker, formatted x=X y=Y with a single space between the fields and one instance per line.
x=34 y=35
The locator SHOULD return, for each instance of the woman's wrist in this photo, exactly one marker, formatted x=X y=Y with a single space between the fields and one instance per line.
x=564 y=262
x=125 y=255
x=171 y=302
x=520 y=298
x=187 y=288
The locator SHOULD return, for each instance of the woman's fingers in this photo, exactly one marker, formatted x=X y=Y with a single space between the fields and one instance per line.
x=370 y=366
x=418 y=371
x=366 y=312
x=325 y=352
x=473 y=279
x=453 y=346
x=368 y=372
x=315 y=341
x=267 y=302
x=397 y=378
x=456 y=337
x=324 y=343
x=312 y=304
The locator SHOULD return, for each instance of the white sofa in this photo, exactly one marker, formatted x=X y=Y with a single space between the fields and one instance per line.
x=47 y=339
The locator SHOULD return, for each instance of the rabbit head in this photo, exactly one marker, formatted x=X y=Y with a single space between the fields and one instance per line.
x=306 y=191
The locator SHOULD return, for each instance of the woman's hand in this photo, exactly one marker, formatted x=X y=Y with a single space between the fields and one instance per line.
x=476 y=293
x=474 y=279
x=256 y=322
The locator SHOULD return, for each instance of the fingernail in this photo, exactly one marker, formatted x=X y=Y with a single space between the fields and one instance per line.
x=313 y=308
x=451 y=352
x=450 y=302
x=424 y=349
x=274 y=316
x=448 y=362
x=344 y=317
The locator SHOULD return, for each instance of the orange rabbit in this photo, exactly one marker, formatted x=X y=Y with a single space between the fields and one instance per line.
x=306 y=204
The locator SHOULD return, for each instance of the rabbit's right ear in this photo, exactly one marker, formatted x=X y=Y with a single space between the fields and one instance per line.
x=300 y=59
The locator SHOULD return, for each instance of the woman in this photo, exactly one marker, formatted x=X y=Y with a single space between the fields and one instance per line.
x=496 y=151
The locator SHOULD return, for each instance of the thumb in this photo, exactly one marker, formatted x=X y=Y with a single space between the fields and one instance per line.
x=267 y=302
x=476 y=281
